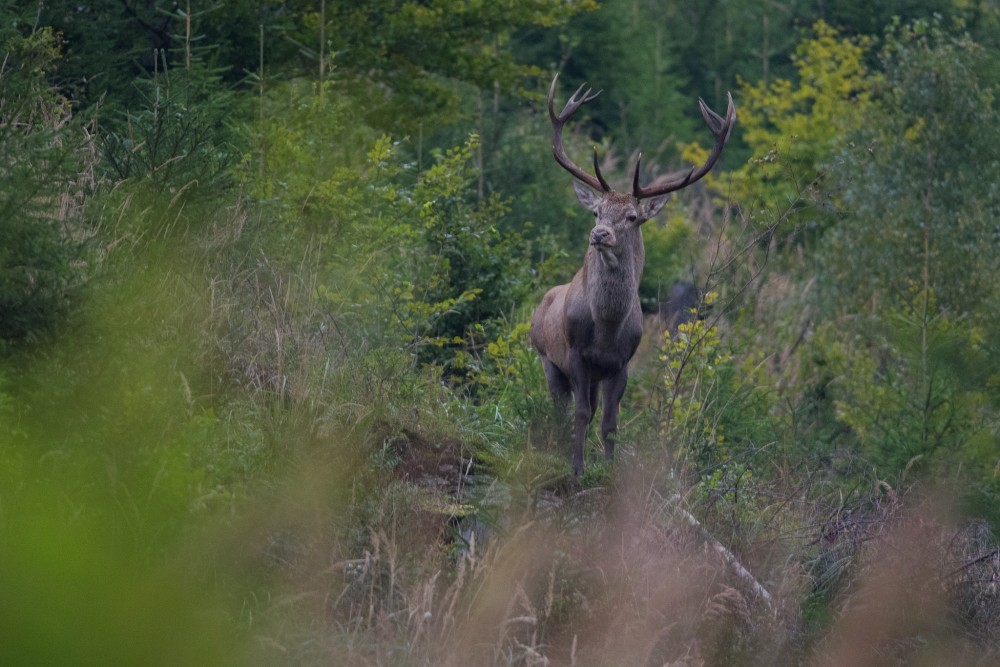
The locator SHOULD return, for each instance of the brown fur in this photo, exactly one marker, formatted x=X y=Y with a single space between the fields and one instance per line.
x=587 y=330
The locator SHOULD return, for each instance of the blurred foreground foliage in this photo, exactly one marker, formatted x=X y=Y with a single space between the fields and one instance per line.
x=266 y=395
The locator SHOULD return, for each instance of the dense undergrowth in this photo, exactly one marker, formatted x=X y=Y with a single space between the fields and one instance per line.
x=266 y=395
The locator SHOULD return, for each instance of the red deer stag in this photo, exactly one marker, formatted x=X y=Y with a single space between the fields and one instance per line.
x=587 y=331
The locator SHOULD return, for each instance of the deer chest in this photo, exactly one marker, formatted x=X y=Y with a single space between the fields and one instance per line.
x=606 y=350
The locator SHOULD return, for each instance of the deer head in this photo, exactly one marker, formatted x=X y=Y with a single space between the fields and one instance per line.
x=587 y=330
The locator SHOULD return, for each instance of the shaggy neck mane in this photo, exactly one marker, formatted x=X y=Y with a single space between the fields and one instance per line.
x=611 y=289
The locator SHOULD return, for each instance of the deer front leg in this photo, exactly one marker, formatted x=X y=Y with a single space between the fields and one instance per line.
x=581 y=420
x=614 y=389
x=585 y=396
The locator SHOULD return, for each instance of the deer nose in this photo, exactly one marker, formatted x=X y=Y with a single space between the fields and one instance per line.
x=602 y=236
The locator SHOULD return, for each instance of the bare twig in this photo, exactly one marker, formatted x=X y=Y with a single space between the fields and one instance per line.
x=726 y=554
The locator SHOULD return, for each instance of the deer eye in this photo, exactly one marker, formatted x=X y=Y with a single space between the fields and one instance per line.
x=631 y=217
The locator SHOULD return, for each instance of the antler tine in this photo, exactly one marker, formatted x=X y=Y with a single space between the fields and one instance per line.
x=721 y=129
x=572 y=104
x=597 y=170
x=716 y=122
x=635 y=177
x=712 y=119
x=558 y=121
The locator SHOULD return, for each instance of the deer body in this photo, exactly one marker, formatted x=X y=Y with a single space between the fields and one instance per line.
x=587 y=330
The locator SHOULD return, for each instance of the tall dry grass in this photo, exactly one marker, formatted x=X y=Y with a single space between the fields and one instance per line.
x=389 y=537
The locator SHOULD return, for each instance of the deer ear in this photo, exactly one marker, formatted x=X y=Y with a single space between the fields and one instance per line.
x=650 y=207
x=587 y=197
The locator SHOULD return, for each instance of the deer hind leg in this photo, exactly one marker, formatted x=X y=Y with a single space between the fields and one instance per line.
x=585 y=397
x=560 y=390
x=614 y=389
x=558 y=383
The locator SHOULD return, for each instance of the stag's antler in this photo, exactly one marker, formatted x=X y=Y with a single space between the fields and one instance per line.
x=721 y=129
x=572 y=104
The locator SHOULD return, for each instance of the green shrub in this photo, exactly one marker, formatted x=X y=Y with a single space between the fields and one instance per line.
x=42 y=187
x=916 y=396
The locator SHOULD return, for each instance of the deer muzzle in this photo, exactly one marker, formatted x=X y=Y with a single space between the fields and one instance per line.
x=602 y=236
